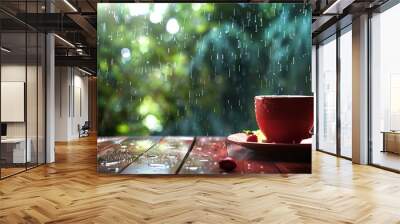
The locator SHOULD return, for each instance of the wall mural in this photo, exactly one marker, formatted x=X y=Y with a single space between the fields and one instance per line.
x=194 y=69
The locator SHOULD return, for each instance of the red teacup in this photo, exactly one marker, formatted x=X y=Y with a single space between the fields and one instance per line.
x=285 y=119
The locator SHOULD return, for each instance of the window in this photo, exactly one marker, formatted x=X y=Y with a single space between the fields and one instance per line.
x=346 y=93
x=327 y=96
x=385 y=89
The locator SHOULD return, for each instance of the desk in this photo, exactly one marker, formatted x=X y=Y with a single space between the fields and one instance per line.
x=193 y=155
x=391 y=141
x=13 y=150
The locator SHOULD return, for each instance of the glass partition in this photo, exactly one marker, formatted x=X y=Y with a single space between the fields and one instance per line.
x=14 y=153
x=22 y=90
x=334 y=94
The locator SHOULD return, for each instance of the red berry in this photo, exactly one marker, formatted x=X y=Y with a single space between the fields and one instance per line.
x=252 y=138
x=227 y=164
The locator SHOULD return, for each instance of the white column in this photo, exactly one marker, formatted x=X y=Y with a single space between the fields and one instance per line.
x=50 y=92
x=314 y=91
x=50 y=99
x=360 y=90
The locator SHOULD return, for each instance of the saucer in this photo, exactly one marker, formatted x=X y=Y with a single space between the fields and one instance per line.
x=241 y=139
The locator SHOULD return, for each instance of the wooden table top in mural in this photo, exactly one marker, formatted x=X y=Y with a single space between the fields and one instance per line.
x=192 y=156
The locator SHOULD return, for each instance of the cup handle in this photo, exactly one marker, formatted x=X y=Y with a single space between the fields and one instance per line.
x=311 y=131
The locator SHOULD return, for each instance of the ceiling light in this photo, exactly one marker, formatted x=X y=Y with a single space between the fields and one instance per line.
x=65 y=41
x=84 y=71
x=5 y=50
x=70 y=5
x=337 y=7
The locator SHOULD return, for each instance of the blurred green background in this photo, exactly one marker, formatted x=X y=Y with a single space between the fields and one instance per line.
x=194 y=68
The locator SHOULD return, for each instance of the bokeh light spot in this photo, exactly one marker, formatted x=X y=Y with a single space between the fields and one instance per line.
x=172 y=26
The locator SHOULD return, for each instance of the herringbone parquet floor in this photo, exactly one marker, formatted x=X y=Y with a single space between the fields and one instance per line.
x=70 y=191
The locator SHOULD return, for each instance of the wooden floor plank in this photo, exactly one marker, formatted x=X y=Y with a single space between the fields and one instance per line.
x=71 y=191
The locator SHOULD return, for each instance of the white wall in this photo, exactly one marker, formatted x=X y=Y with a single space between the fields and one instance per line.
x=61 y=103
x=12 y=73
x=71 y=94
x=81 y=104
x=16 y=73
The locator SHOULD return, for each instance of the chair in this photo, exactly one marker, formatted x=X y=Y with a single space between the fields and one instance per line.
x=84 y=130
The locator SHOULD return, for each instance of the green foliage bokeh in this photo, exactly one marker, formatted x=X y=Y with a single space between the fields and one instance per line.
x=202 y=79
